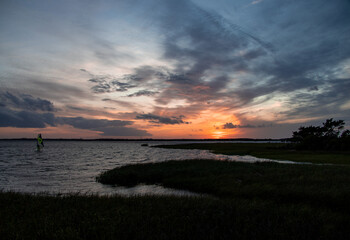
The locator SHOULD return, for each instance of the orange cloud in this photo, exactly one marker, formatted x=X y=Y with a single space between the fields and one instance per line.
x=209 y=124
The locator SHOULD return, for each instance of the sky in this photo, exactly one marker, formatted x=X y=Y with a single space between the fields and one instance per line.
x=167 y=69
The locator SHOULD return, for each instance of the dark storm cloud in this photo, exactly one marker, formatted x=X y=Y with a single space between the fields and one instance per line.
x=101 y=86
x=147 y=73
x=162 y=120
x=141 y=76
x=143 y=93
x=203 y=48
x=25 y=102
x=121 y=87
x=31 y=119
x=331 y=99
x=25 y=119
x=206 y=49
x=107 y=127
x=107 y=83
x=104 y=86
x=83 y=123
x=321 y=41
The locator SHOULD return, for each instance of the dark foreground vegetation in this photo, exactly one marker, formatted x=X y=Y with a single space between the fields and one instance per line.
x=330 y=136
x=256 y=201
x=240 y=201
x=92 y=217
x=326 y=186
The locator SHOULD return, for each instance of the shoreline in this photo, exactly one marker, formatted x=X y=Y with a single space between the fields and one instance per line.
x=273 y=151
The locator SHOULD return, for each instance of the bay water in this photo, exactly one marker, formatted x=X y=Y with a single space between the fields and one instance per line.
x=72 y=166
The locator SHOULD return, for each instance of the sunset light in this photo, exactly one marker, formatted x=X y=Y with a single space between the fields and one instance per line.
x=218 y=135
x=174 y=119
x=160 y=69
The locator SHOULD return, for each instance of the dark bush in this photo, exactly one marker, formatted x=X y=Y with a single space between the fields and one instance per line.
x=327 y=137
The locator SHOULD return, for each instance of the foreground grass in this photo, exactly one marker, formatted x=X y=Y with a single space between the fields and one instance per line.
x=326 y=186
x=276 y=151
x=91 y=217
x=283 y=200
x=246 y=201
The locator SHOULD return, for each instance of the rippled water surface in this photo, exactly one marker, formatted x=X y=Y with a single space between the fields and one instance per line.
x=71 y=166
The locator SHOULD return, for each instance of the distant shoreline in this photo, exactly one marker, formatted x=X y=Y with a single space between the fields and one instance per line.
x=150 y=139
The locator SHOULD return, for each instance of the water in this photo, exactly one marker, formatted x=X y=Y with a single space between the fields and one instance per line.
x=71 y=166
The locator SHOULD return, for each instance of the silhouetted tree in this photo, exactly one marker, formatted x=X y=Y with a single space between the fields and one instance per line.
x=326 y=137
x=332 y=128
x=345 y=134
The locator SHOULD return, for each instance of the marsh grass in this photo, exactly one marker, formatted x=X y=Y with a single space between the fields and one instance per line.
x=276 y=151
x=25 y=216
x=280 y=183
x=292 y=201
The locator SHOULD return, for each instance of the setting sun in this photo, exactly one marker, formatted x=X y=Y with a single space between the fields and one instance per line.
x=218 y=134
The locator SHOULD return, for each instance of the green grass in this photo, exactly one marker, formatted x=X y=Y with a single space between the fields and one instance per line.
x=276 y=151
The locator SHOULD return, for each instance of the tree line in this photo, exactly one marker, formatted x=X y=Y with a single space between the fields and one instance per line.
x=330 y=136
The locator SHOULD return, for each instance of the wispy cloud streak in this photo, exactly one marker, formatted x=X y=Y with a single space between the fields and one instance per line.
x=162 y=120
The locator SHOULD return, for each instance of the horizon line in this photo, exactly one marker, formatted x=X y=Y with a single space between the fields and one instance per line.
x=153 y=139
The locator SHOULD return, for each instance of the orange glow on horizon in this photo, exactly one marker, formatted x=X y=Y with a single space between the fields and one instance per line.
x=208 y=125
x=219 y=134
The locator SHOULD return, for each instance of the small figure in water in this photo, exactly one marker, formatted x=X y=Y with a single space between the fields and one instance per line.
x=39 y=142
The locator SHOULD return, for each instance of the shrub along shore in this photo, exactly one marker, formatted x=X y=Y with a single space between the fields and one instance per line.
x=240 y=201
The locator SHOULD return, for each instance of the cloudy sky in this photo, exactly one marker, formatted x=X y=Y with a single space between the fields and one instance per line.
x=172 y=69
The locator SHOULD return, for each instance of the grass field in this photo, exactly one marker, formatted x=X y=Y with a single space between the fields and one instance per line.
x=290 y=201
x=279 y=183
x=228 y=213
x=276 y=151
